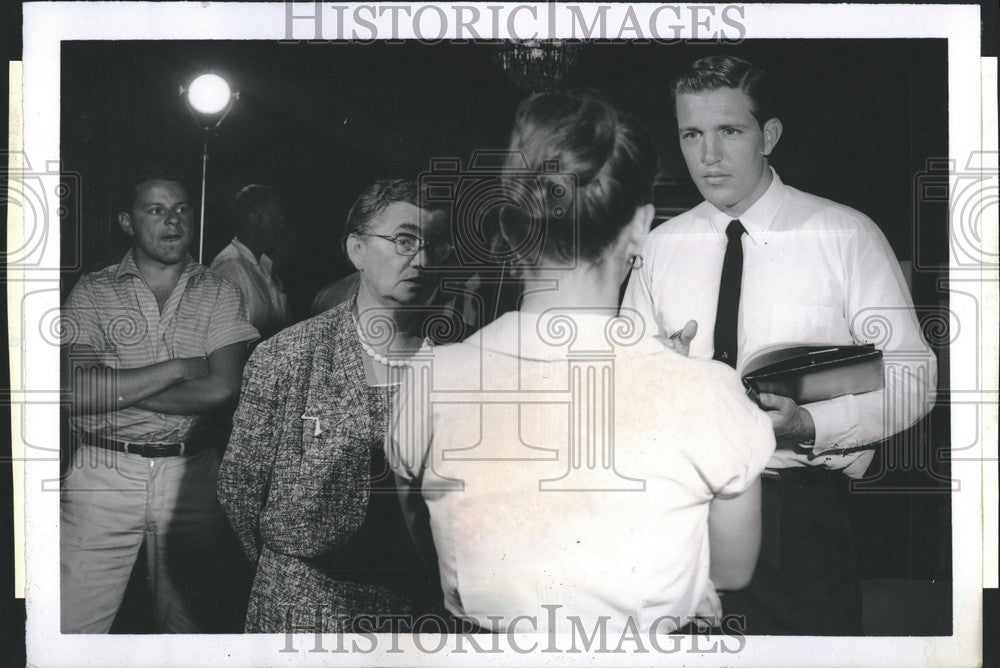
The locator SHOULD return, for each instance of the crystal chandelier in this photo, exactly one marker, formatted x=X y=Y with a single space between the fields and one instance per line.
x=536 y=66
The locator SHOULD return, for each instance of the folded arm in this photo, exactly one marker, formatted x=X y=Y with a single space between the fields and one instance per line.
x=219 y=389
x=95 y=387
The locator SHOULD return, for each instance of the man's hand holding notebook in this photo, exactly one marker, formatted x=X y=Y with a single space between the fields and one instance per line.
x=808 y=373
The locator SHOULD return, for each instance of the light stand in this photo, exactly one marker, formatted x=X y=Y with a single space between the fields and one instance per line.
x=209 y=98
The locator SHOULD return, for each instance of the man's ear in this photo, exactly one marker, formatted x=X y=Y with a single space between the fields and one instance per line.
x=772 y=133
x=355 y=250
x=125 y=222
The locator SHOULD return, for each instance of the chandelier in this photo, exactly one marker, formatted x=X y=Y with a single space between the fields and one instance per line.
x=537 y=66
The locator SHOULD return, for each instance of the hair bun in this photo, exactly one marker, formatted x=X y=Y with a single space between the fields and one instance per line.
x=605 y=134
x=606 y=163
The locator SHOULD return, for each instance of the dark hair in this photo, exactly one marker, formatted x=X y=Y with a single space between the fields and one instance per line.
x=604 y=155
x=250 y=203
x=374 y=200
x=714 y=72
x=139 y=176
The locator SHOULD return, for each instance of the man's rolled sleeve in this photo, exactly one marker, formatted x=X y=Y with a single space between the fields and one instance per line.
x=80 y=322
x=229 y=322
x=237 y=274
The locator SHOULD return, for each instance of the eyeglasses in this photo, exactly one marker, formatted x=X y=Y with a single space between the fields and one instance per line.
x=409 y=245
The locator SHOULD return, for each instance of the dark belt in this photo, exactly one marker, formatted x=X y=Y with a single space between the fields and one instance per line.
x=803 y=475
x=156 y=449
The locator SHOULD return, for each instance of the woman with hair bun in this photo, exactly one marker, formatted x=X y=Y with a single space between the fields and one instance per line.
x=563 y=456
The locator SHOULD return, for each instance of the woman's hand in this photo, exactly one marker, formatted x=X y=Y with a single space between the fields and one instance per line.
x=708 y=614
x=680 y=341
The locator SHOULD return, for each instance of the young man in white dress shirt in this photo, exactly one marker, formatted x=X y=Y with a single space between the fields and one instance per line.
x=813 y=271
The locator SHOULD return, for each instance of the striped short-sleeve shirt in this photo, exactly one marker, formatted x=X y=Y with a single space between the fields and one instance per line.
x=115 y=315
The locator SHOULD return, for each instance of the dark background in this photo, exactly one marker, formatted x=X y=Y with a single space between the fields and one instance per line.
x=321 y=121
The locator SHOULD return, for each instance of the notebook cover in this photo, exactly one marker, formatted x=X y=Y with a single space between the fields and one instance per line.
x=814 y=373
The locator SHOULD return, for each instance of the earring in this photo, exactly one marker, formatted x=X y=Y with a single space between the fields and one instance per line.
x=635 y=261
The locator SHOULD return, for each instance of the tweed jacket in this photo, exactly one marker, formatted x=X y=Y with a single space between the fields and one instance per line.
x=295 y=475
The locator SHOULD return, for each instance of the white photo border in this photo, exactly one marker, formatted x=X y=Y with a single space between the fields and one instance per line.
x=46 y=25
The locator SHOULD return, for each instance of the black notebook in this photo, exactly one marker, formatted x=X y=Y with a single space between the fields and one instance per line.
x=807 y=373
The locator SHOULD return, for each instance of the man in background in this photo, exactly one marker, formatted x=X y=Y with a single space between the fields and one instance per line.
x=260 y=227
x=760 y=263
x=338 y=292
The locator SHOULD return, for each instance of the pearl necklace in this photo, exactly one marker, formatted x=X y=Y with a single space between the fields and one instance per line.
x=377 y=356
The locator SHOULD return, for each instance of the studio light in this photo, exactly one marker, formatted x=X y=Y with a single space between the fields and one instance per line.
x=209 y=98
x=209 y=94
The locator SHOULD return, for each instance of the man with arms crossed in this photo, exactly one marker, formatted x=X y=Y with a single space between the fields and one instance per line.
x=759 y=263
x=151 y=344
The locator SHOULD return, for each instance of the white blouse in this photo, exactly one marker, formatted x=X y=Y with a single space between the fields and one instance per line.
x=563 y=470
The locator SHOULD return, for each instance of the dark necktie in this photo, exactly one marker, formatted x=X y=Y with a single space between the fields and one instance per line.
x=728 y=311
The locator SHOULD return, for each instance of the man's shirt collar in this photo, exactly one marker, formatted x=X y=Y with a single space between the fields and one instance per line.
x=244 y=252
x=128 y=267
x=759 y=217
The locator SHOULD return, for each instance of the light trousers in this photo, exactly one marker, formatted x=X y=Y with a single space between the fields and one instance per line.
x=110 y=503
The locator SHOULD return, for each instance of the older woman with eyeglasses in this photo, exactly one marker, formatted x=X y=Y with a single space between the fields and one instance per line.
x=304 y=479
